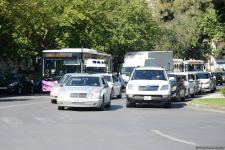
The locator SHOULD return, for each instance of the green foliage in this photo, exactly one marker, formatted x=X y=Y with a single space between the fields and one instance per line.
x=108 y=25
x=223 y=91
x=194 y=22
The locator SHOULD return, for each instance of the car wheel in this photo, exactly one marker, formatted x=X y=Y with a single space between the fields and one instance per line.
x=112 y=94
x=19 y=91
x=188 y=95
x=102 y=107
x=168 y=105
x=32 y=90
x=53 y=101
x=183 y=99
x=120 y=95
x=108 y=105
x=60 y=108
x=193 y=95
x=129 y=104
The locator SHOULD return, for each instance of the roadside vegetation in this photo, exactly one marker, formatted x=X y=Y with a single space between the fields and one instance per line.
x=223 y=91
x=211 y=102
x=187 y=27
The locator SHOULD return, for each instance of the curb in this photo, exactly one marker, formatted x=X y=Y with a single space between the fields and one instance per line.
x=206 y=108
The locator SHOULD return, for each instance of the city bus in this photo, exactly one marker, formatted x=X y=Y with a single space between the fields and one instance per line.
x=58 y=62
x=180 y=65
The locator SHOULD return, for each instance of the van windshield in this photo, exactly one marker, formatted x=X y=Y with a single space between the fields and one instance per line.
x=148 y=75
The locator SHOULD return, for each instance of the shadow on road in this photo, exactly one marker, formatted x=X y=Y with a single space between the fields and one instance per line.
x=13 y=100
x=174 y=105
x=112 y=108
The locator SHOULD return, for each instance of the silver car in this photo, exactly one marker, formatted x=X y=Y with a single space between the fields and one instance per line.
x=85 y=90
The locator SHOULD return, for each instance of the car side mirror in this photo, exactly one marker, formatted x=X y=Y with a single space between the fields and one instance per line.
x=191 y=80
x=106 y=85
x=171 y=78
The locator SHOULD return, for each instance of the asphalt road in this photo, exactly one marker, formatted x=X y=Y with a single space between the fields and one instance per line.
x=33 y=123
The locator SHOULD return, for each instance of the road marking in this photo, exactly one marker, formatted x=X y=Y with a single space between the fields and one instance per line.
x=12 y=121
x=173 y=138
x=44 y=120
x=12 y=106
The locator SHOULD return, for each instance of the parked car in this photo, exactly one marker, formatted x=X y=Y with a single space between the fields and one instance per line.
x=207 y=81
x=218 y=77
x=115 y=85
x=178 y=89
x=85 y=90
x=16 y=84
x=223 y=76
x=55 y=89
x=189 y=83
x=148 y=85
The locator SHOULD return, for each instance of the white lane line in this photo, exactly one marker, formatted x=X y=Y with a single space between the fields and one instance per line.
x=11 y=121
x=173 y=138
x=44 y=120
x=12 y=106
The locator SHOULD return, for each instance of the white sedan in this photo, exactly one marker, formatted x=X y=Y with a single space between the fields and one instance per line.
x=85 y=90
x=55 y=89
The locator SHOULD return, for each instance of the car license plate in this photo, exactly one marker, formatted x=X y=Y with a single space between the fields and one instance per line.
x=148 y=98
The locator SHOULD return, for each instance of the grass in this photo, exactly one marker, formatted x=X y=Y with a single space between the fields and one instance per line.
x=212 y=102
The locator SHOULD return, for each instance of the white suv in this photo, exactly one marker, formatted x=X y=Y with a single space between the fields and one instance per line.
x=148 y=85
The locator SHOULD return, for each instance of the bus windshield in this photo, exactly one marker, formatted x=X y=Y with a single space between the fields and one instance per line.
x=59 y=67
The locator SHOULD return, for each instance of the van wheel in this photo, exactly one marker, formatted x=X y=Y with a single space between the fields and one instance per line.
x=183 y=99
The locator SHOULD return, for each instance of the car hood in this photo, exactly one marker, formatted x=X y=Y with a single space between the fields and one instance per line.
x=204 y=80
x=80 y=89
x=148 y=82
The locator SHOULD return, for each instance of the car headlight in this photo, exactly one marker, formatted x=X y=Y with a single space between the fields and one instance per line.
x=132 y=87
x=165 y=87
x=62 y=94
x=95 y=94
x=13 y=84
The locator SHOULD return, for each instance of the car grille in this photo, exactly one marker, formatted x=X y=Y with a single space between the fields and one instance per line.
x=78 y=95
x=148 y=88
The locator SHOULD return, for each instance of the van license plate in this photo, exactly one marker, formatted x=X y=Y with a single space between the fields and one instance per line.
x=147 y=98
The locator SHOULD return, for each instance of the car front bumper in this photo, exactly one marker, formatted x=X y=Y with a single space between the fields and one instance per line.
x=80 y=103
x=154 y=98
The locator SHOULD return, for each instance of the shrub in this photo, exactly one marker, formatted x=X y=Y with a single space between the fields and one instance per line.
x=223 y=91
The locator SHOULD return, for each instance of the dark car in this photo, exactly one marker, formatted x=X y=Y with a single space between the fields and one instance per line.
x=16 y=84
x=177 y=88
x=218 y=76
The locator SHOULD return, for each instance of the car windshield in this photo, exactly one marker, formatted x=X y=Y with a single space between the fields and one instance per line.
x=127 y=70
x=107 y=78
x=64 y=78
x=83 y=81
x=203 y=76
x=148 y=75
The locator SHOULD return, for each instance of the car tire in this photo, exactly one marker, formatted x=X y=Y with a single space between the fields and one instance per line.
x=112 y=94
x=102 y=107
x=193 y=95
x=129 y=104
x=60 y=107
x=183 y=98
x=19 y=91
x=53 y=101
x=168 y=105
x=108 y=105
x=120 y=95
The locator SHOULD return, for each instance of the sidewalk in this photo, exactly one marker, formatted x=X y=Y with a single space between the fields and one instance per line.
x=217 y=94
